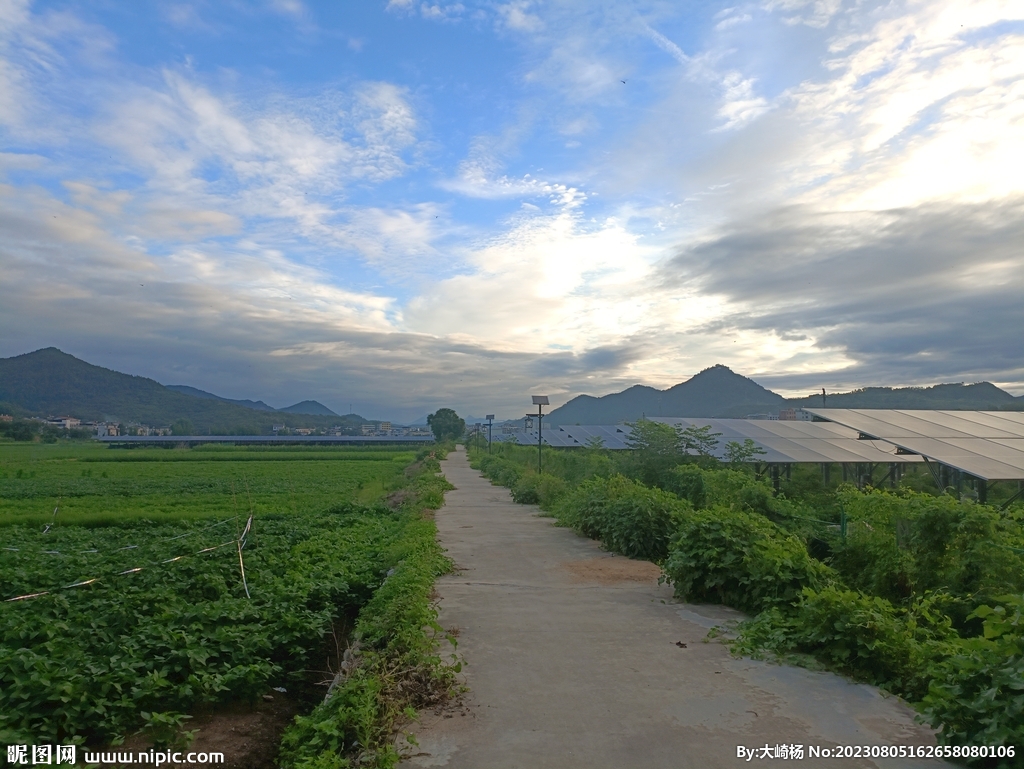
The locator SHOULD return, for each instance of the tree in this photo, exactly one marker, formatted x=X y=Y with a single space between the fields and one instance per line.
x=182 y=427
x=656 y=448
x=700 y=439
x=446 y=425
x=739 y=453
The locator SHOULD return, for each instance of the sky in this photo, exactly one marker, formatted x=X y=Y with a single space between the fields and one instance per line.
x=392 y=206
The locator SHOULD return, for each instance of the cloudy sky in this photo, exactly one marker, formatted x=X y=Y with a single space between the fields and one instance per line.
x=404 y=205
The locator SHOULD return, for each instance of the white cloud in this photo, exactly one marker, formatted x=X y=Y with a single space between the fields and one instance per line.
x=516 y=16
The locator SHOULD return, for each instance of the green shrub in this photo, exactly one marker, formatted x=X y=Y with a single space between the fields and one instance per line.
x=501 y=471
x=901 y=545
x=543 y=490
x=626 y=516
x=864 y=636
x=687 y=482
x=740 y=559
x=977 y=691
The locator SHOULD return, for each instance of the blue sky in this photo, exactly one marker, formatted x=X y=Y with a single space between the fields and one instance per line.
x=404 y=205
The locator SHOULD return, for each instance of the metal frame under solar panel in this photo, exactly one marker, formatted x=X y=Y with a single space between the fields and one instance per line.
x=986 y=444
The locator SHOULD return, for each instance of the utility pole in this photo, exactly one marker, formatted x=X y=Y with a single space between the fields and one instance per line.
x=823 y=398
x=540 y=401
x=490 y=423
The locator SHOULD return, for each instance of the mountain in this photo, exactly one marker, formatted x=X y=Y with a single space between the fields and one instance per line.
x=50 y=382
x=982 y=396
x=714 y=392
x=195 y=392
x=719 y=392
x=309 y=407
x=303 y=407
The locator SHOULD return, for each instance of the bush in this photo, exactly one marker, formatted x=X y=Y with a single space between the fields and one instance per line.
x=740 y=559
x=544 y=490
x=500 y=470
x=901 y=545
x=626 y=516
x=977 y=693
x=687 y=482
x=864 y=636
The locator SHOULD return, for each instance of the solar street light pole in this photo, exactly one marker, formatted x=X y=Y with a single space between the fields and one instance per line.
x=540 y=401
x=490 y=423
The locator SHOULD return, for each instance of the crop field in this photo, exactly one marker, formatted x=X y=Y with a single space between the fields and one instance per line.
x=150 y=594
x=96 y=484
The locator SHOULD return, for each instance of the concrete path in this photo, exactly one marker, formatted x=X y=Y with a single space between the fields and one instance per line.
x=577 y=658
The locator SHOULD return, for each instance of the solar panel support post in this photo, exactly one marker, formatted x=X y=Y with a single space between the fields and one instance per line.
x=775 y=478
x=936 y=476
x=982 y=491
x=1014 y=498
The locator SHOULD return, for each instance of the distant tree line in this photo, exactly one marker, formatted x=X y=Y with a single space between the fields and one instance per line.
x=31 y=430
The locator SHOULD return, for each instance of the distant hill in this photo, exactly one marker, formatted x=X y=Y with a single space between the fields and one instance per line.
x=50 y=382
x=309 y=407
x=983 y=396
x=714 y=392
x=303 y=407
x=197 y=393
x=720 y=392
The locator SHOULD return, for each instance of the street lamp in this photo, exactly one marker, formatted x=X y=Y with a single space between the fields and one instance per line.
x=490 y=422
x=540 y=401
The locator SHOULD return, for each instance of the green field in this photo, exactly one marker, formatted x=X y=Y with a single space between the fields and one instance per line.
x=98 y=485
x=131 y=609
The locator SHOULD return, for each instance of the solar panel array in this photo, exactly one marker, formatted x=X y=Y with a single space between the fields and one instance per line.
x=985 y=444
x=574 y=436
x=795 y=441
x=782 y=441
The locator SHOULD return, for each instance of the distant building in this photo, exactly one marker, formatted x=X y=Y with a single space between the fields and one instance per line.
x=277 y=428
x=303 y=430
x=369 y=429
x=772 y=417
x=6 y=418
x=385 y=427
x=65 y=423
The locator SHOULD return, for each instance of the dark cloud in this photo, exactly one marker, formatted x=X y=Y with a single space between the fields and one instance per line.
x=916 y=295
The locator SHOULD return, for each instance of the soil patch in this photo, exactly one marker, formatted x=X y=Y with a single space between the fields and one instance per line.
x=247 y=734
x=612 y=569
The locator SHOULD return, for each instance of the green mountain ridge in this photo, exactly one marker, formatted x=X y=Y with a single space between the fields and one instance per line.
x=50 y=382
x=718 y=392
x=197 y=393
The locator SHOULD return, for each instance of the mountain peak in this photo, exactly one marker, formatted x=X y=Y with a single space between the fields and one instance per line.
x=714 y=392
x=309 y=407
